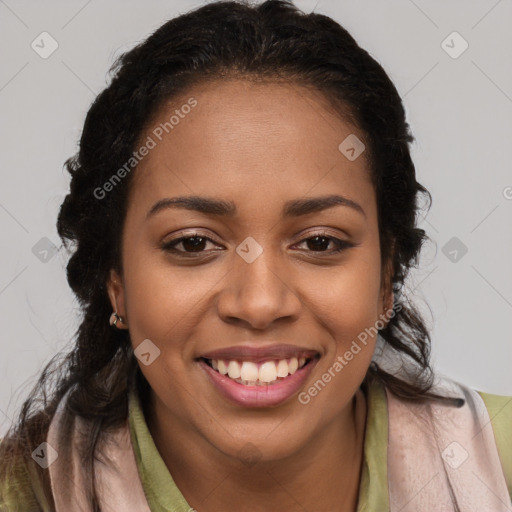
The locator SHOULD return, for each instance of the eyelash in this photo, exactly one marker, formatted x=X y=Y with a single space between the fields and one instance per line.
x=170 y=247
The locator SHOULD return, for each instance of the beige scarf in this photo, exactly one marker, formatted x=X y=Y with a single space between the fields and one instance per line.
x=440 y=459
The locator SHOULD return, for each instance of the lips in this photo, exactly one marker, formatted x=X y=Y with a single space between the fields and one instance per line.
x=260 y=353
x=258 y=376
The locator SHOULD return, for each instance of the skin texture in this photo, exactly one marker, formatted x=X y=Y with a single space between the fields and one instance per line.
x=258 y=145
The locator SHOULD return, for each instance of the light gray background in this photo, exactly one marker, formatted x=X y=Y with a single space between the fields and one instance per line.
x=460 y=111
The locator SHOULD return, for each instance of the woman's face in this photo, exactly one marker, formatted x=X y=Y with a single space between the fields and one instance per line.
x=251 y=284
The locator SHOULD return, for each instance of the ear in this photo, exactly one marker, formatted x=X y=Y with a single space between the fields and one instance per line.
x=115 y=288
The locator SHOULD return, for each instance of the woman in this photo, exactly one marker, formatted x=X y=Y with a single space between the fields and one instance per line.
x=243 y=211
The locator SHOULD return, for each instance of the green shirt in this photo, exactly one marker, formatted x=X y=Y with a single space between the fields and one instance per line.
x=23 y=495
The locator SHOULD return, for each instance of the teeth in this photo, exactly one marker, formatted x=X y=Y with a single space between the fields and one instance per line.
x=222 y=368
x=249 y=371
x=234 y=370
x=268 y=372
x=253 y=374
x=282 y=368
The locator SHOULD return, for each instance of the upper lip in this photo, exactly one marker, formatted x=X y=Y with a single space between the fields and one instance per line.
x=260 y=353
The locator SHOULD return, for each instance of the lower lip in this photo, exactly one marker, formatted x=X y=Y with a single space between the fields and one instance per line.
x=259 y=396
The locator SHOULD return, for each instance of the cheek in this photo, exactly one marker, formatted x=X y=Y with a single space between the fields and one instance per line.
x=347 y=303
x=163 y=305
x=348 y=296
x=160 y=298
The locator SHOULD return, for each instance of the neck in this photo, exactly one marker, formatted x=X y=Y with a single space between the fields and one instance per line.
x=324 y=475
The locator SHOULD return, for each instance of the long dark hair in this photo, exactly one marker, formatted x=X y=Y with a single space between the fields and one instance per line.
x=220 y=40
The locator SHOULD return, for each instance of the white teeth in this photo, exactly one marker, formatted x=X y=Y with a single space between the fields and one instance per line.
x=249 y=371
x=268 y=372
x=234 y=370
x=282 y=368
x=223 y=369
x=254 y=374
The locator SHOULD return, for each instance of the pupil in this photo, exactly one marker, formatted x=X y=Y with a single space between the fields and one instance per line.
x=194 y=246
x=314 y=241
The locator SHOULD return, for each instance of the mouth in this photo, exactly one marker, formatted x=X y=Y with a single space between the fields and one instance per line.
x=258 y=378
x=250 y=373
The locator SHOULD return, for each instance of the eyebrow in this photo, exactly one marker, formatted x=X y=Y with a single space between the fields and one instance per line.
x=293 y=208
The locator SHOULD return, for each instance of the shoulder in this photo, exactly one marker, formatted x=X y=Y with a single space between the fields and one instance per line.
x=19 y=488
x=467 y=435
x=487 y=409
x=488 y=413
x=499 y=408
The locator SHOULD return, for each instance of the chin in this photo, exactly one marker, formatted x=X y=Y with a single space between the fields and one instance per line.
x=261 y=447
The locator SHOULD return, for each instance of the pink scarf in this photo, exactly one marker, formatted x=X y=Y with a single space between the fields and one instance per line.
x=440 y=458
x=443 y=458
x=117 y=480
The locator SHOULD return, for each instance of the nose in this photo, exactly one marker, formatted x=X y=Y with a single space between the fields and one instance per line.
x=258 y=294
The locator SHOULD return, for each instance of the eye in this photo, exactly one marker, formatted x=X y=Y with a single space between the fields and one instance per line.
x=193 y=243
x=320 y=241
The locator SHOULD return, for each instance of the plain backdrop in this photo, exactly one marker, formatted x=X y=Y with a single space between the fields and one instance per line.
x=459 y=106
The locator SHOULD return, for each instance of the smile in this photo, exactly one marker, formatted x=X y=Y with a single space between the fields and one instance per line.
x=266 y=373
x=262 y=383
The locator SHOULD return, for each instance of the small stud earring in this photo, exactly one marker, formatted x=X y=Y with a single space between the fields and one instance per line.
x=114 y=318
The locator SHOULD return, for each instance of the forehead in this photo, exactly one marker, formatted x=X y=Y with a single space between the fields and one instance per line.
x=241 y=138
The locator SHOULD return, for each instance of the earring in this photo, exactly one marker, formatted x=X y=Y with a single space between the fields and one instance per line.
x=114 y=317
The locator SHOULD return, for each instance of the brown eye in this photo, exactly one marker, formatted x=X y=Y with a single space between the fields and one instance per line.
x=320 y=243
x=193 y=243
x=190 y=244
